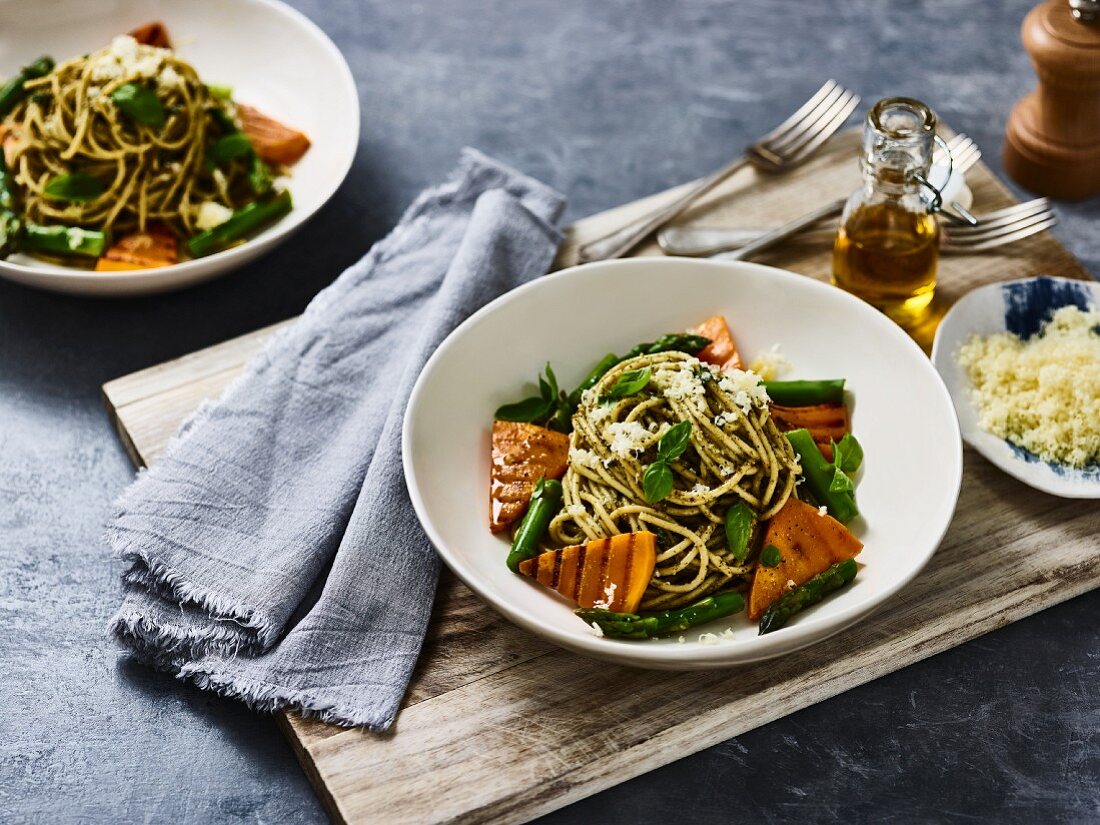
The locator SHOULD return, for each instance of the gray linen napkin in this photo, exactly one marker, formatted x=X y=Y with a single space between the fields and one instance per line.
x=272 y=552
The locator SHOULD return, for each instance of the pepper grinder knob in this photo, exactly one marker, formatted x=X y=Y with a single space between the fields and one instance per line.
x=1052 y=140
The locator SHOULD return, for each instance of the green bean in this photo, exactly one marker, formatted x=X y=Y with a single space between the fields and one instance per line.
x=545 y=504
x=11 y=223
x=244 y=221
x=805 y=393
x=65 y=240
x=13 y=92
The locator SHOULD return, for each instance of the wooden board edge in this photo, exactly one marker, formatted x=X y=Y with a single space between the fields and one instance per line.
x=305 y=759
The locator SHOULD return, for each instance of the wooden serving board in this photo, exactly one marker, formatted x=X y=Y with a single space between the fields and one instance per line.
x=499 y=726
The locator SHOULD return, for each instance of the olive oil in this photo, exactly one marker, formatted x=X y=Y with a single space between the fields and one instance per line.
x=887 y=245
x=888 y=257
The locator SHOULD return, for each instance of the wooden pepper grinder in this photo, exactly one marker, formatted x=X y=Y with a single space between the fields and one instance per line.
x=1052 y=140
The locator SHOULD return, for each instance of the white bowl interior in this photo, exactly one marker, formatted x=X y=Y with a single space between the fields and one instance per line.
x=902 y=416
x=272 y=57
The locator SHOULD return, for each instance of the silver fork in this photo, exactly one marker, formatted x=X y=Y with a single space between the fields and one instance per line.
x=699 y=241
x=783 y=148
x=1004 y=226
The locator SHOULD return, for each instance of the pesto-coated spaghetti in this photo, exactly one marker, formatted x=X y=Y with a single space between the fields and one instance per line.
x=138 y=122
x=735 y=453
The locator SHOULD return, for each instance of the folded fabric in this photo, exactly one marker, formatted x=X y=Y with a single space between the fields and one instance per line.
x=272 y=552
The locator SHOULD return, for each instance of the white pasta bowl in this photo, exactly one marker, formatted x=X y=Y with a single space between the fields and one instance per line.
x=271 y=55
x=902 y=415
x=1019 y=307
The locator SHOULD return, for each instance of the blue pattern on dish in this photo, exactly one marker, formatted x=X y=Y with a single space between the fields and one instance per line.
x=1090 y=472
x=1030 y=304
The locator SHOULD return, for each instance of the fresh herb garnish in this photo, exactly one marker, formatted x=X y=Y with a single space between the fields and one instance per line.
x=847 y=456
x=550 y=408
x=140 y=104
x=770 y=556
x=740 y=521
x=77 y=186
x=657 y=478
x=628 y=384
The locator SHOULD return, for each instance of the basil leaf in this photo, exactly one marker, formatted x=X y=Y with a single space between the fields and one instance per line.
x=770 y=556
x=77 y=186
x=674 y=441
x=229 y=147
x=847 y=453
x=656 y=482
x=740 y=521
x=553 y=379
x=630 y=383
x=529 y=409
x=840 y=483
x=140 y=104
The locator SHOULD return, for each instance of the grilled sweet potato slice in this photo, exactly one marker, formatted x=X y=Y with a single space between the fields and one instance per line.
x=826 y=422
x=721 y=351
x=273 y=141
x=522 y=454
x=154 y=247
x=152 y=34
x=611 y=573
x=808 y=542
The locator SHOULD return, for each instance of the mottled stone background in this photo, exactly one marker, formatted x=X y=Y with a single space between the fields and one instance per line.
x=607 y=101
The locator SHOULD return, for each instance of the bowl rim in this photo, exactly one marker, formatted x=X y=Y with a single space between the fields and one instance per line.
x=229 y=259
x=687 y=656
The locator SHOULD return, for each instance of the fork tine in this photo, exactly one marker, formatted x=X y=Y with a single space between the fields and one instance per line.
x=807 y=107
x=1001 y=240
x=1004 y=217
x=967 y=157
x=954 y=146
x=975 y=239
x=826 y=131
x=779 y=145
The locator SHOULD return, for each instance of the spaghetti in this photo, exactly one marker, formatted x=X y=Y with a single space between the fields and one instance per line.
x=735 y=454
x=71 y=122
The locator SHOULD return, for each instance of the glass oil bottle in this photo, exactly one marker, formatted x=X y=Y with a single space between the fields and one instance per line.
x=887 y=246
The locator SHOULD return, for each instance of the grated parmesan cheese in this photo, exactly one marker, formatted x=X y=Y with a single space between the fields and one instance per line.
x=822 y=510
x=770 y=364
x=608 y=597
x=210 y=214
x=708 y=639
x=1042 y=394
x=626 y=438
x=744 y=388
x=584 y=458
x=597 y=631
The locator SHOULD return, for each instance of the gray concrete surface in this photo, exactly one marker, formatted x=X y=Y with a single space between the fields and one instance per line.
x=607 y=101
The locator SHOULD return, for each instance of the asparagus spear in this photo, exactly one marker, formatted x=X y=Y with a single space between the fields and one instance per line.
x=807 y=594
x=819 y=475
x=245 y=220
x=12 y=92
x=545 y=503
x=673 y=342
x=64 y=240
x=11 y=224
x=805 y=393
x=634 y=626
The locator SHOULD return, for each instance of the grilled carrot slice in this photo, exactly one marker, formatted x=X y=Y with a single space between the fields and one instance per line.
x=612 y=573
x=826 y=422
x=721 y=351
x=154 y=247
x=273 y=142
x=522 y=454
x=808 y=543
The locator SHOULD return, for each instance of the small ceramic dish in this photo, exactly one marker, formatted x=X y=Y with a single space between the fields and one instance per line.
x=1020 y=307
x=272 y=56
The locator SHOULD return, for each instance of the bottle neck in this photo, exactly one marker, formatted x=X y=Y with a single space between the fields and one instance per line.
x=889 y=181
